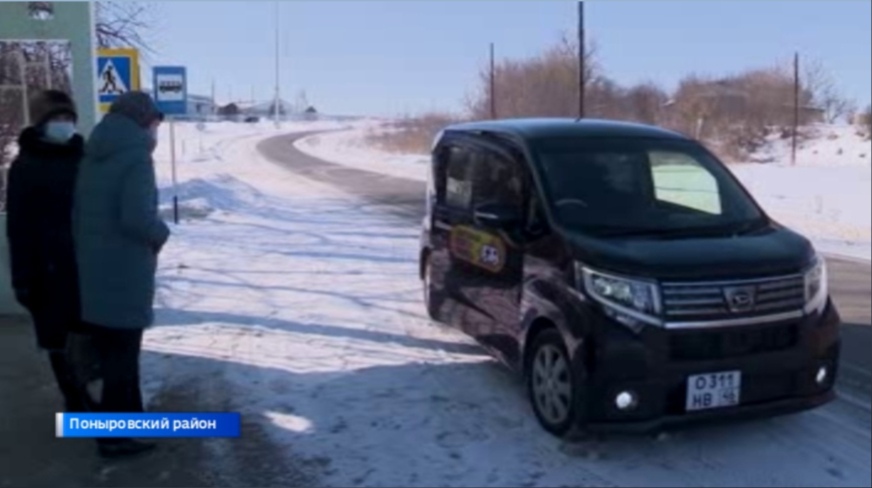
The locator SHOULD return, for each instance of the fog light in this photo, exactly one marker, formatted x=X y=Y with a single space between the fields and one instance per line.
x=626 y=400
x=823 y=374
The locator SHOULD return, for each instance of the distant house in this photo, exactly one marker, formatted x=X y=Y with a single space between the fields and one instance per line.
x=266 y=109
x=200 y=105
x=229 y=110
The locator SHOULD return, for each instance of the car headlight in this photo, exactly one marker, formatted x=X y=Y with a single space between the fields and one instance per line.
x=815 y=282
x=633 y=302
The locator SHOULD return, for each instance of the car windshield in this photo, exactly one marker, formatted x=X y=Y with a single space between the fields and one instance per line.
x=627 y=186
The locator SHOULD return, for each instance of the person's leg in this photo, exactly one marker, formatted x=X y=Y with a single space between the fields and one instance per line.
x=119 y=360
x=67 y=384
x=119 y=354
x=84 y=367
x=52 y=338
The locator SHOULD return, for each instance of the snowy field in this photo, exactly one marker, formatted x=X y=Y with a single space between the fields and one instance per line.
x=827 y=196
x=300 y=307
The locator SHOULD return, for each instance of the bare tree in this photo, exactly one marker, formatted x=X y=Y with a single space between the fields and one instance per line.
x=124 y=24
x=692 y=105
x=734 y=114
x=646 y=102
x=825 y=94
x=411 y=134
x=543 y=85
x=118 y=23
x=866 y=121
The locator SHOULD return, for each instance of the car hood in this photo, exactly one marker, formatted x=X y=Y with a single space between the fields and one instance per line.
x=771 y=251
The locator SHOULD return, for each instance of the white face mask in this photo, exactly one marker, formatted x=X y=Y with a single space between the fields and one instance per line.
x=60 y=131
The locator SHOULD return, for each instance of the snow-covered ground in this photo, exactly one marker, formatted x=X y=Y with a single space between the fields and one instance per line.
x=351 y=148
x=827 y=196
x=300 y=307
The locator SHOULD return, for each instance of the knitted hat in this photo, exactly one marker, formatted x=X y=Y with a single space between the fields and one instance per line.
x=137 y=106
x=46 y=104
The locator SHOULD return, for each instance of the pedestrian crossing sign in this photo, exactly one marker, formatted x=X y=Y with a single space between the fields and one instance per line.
x=117 y=73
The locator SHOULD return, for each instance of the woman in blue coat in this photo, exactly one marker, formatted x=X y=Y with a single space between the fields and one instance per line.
x=119 y=234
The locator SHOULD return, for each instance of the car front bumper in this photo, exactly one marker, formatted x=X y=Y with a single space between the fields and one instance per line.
x=655 y=365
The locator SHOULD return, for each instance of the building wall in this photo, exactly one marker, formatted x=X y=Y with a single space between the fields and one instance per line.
x=198 y=106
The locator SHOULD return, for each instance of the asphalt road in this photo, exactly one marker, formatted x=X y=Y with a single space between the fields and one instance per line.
x=850 y=280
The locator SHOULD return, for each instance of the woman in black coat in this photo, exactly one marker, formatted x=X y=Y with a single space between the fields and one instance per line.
x=40 y=189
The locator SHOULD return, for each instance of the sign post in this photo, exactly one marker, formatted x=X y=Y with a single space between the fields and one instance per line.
x=171 y=97
x=173 y=163
x=117 y=73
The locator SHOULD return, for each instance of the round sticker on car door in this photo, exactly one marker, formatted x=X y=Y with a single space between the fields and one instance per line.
x=478 y=248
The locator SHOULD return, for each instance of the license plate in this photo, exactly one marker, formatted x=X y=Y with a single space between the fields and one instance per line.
x=713 y=390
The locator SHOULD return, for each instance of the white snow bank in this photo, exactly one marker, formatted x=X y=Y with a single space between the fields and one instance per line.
x=821 y=145
x=350 y=148
x=830 y=203
x=300 y=308
x=827 y=195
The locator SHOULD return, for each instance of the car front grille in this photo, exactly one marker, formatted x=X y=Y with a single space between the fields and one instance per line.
x=732 y=299
x=714 y=344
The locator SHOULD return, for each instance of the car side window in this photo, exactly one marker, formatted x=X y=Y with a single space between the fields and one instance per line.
x=496 y=180
x=457 y=192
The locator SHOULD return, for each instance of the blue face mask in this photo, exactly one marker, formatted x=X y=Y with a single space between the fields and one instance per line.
x=59 y=131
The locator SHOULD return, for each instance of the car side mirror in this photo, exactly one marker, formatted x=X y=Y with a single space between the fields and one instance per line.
x=497 y=216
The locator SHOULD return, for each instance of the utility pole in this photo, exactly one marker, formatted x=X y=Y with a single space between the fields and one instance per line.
x=581 y=61
x=493 y=84
x=795 y=108
x=278 y=93
x=214 y=106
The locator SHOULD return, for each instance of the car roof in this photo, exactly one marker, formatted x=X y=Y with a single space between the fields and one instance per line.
x=536 y=128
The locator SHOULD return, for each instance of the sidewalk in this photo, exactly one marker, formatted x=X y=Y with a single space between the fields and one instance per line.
x=29 y=399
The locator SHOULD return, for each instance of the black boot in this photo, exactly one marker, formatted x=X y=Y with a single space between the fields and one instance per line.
x=121 y=447
x=80 y=402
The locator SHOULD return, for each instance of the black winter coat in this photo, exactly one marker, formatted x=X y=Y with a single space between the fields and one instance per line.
x=39 y=201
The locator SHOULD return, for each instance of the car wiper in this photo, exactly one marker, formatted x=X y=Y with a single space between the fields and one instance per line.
x=749 y=227
x=622 y=231
x=722 y=230
x=663 y=231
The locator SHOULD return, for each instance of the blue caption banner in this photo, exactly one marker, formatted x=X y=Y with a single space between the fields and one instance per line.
x=143 y=425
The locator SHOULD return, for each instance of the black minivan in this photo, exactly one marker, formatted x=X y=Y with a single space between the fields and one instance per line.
x=626 y=274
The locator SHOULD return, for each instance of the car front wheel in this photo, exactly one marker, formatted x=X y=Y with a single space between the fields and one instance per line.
x=550 y=383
